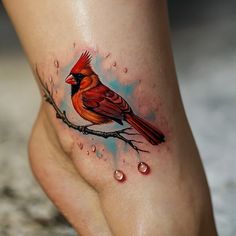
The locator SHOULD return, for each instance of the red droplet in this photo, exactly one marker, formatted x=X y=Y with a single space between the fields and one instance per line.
x=93 y=148
x=143 y=168
x=119 y=176
x=56 y=63
x=125 y=70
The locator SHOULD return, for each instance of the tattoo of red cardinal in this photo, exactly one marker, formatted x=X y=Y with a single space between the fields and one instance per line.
x=98 y=104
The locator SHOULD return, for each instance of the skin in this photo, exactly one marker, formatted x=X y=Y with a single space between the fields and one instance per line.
x=174 y=198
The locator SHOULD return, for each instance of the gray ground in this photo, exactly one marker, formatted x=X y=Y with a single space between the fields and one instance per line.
x=204 y=46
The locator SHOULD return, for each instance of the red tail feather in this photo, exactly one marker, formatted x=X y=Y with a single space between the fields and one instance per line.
x=148 y=131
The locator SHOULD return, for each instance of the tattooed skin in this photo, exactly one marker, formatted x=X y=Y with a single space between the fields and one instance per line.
x=95 y=102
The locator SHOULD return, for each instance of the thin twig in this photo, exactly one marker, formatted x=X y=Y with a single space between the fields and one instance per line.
x=48 y=95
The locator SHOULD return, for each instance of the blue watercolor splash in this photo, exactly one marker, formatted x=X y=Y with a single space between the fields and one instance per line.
x=98 y=154
x=111 y=146
x=151 y=116
x=111 y=80
x=63 y=105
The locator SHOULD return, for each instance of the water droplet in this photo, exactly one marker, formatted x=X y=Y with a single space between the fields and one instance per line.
x=93 y=148
x=96 y=50
x=107 y=55
x=119 y=175
x=99 y=155
x=81 y=146
x=50 y=79
x=56 y=63
x=125 y=70
x=143 y=168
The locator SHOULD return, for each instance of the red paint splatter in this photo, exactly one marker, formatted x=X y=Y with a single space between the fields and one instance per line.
x=119 y=176
x=143 y=168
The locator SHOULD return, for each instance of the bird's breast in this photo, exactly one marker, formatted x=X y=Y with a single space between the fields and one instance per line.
x=85 y=113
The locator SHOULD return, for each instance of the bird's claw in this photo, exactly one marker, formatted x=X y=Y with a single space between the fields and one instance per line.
x=58 y=116
x=83 y=130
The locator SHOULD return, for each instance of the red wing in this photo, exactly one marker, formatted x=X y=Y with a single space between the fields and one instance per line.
x=105 y=102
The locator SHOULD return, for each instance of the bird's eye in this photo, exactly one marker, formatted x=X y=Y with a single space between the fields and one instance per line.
x=78 y=76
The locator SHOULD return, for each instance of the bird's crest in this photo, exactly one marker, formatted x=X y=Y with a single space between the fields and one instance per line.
x=82 y=63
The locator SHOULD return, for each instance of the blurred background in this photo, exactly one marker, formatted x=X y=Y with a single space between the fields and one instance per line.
x=204 y=44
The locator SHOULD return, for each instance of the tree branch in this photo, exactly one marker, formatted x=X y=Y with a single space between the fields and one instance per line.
x=119 y=134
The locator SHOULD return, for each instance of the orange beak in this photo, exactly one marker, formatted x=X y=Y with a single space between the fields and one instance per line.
x=70 y=80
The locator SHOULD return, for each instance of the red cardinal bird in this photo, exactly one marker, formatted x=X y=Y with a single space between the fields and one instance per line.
x=98 y=104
